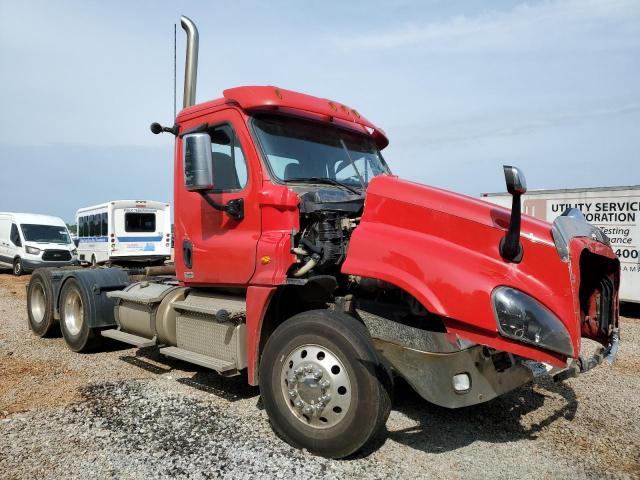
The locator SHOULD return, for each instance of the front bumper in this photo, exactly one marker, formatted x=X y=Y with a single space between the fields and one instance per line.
x=584 y=364
x=431 y=374
x=31 y=265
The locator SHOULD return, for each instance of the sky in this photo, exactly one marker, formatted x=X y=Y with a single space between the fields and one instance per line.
x=460 y=88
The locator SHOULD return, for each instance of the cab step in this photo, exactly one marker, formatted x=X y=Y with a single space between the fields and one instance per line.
x=220 y=366
x=140 y=342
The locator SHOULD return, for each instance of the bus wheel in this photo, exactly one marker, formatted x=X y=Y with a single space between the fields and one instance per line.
x=40 y=305
x=323 y=384
x=74 y=311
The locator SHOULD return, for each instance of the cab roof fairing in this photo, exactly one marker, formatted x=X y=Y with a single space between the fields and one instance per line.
x=253 y=98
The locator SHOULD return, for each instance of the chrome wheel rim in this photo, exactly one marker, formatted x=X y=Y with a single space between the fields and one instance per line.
x=17 y=267
x=316 y=386
x=73 y=312
x=38 y=303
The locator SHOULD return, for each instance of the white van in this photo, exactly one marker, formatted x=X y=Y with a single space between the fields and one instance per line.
x=29 y=241
x=125 y=232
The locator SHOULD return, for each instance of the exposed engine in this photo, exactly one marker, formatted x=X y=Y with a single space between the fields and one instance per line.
x=328 y=217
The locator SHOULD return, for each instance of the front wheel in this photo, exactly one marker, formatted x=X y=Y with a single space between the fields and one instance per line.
x=18 y=268
x=323 y=384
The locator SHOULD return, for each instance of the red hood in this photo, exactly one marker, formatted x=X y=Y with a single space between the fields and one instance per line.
x=458 y=205
x=443 y=249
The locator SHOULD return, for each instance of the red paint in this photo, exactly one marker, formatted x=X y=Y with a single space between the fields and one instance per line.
x=439 y=246
x=443 y=249
x=257 y=303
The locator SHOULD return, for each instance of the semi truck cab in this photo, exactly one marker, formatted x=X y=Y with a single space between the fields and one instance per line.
x=304 y=263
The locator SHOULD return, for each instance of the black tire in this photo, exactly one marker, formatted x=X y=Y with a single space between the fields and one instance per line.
x=40 y=305
x=74 y=304
x=370 y=383
x=18 y=268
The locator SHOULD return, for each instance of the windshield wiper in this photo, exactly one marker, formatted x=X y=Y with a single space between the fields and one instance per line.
x=330 y=181
x=353 y=164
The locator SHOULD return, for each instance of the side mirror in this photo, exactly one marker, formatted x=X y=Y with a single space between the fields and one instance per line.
x=510 y=246
x=196 y=162
x=516 y=183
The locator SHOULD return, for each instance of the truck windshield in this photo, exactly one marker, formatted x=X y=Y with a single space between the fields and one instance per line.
x=299 y=149
x=45 y=233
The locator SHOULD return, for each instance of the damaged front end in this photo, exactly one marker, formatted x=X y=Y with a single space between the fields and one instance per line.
x=443 y=368
x=595 y=274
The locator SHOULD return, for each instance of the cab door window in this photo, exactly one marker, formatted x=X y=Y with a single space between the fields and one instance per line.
x=229 y=164
x=15 y=235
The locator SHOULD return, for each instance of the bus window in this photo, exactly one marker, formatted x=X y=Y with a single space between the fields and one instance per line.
x=139 y=222
x=105 y=226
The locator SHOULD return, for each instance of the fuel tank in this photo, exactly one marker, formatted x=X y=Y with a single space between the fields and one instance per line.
x=443 y=248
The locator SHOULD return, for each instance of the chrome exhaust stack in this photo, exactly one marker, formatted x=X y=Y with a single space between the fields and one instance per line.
x=191 y=62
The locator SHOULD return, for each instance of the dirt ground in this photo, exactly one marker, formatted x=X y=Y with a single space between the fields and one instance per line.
x=115 y=413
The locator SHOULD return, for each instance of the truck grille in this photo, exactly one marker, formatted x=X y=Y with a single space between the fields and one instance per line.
x=605 y=307
x=56 y=255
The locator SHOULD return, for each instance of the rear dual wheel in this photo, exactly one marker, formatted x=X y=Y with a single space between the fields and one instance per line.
x=40 y=306
x=74 y=312
x=323 y=384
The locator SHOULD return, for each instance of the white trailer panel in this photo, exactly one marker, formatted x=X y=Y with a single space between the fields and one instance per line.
x=616 y=210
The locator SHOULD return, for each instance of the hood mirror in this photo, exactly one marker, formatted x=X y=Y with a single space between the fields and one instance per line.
x=516 y=183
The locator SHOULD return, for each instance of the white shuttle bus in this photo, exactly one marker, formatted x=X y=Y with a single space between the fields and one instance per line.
x=125 y=232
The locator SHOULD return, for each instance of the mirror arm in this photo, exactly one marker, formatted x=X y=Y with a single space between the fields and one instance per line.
x=510 y=246
x=156 y=128
x=234 y=208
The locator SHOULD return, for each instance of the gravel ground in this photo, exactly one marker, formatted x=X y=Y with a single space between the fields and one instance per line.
x=130 y=413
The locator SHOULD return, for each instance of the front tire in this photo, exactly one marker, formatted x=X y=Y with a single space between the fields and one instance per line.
x=74 y=312
x=40 y=306
x=323 y=384
x=18 y=268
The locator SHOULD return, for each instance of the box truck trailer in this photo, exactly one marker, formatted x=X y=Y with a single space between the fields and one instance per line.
x=615 y=210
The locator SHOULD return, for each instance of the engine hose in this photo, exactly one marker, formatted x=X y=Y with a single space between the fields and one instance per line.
x=313 y=261
x=307 y=243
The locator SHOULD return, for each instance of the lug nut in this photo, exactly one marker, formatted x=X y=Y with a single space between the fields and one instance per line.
x=326 y=398
x=308 y=409
x=325 y=384
x=298 y=403
x=317 y=374
x=293 y=394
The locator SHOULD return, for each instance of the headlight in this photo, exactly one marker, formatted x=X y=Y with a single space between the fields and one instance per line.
x=33 y=250
x=525 y=319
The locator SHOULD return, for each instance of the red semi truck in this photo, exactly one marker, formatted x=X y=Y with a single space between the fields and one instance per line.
x=304 y=264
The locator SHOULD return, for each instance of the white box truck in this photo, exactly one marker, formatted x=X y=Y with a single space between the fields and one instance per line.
x=615 y=210
x=125 y=232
